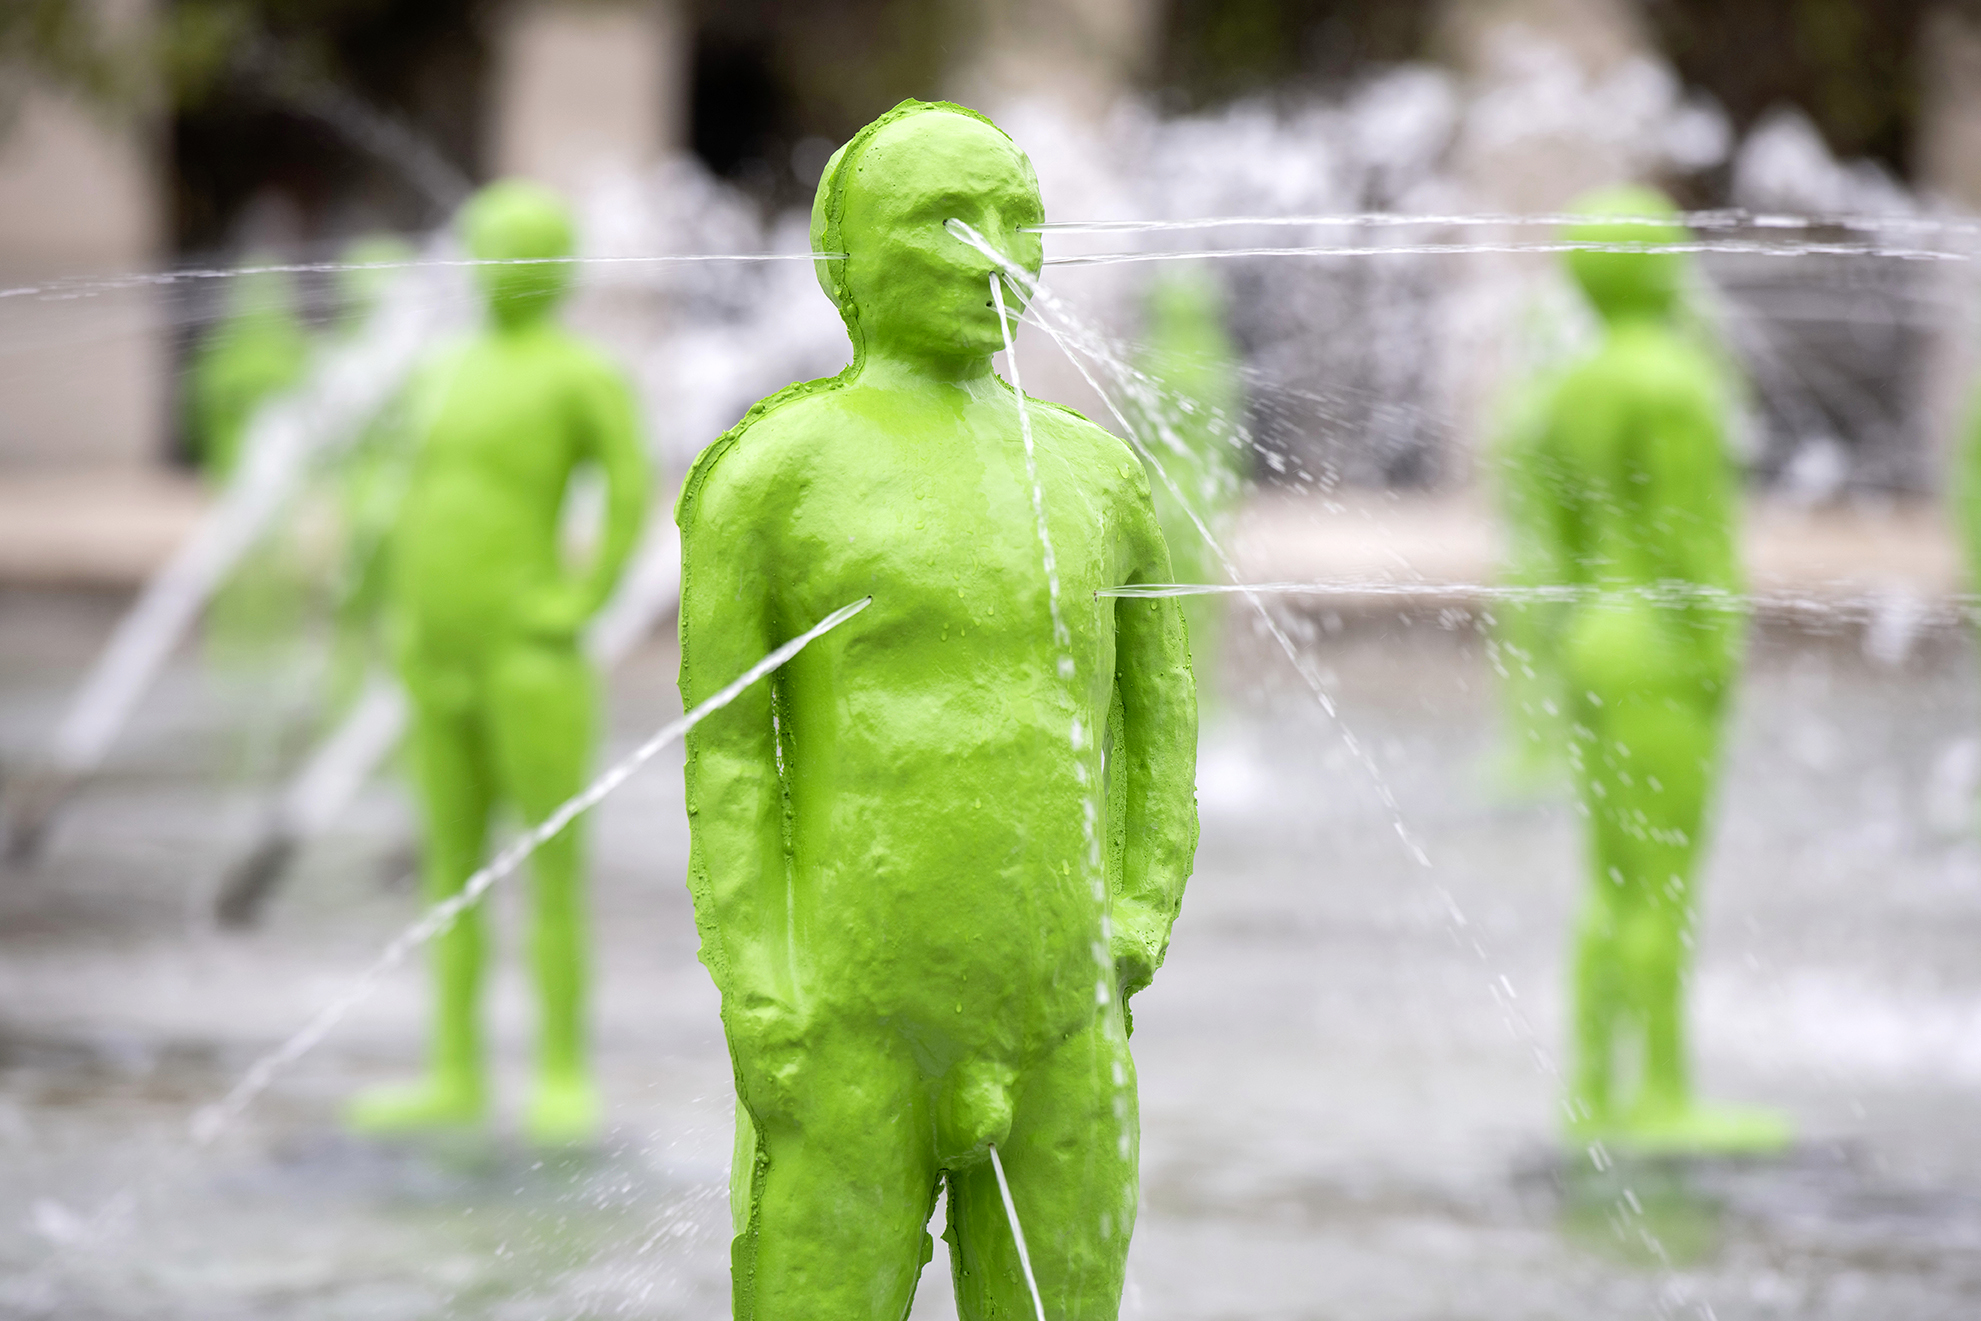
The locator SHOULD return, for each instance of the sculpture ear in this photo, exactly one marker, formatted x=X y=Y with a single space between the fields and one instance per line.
x=825 y=224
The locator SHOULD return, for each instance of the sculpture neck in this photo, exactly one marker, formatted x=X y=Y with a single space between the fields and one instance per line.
x=900 y=371
x=1638 y=318
x=507 y=319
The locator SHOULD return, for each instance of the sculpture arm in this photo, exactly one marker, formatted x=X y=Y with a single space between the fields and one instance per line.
x=614 y=436
x=1155 y=765
x=1964 y=485
x=1690 y=500
x=735 y=802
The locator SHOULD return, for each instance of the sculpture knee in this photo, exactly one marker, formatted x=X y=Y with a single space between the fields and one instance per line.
x=1652 y=949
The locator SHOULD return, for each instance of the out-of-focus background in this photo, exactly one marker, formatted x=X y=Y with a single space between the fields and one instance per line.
x=1350 y=1094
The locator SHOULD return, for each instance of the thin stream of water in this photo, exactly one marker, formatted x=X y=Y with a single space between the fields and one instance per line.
x=1061 y=637
x=211 y=1120
x=1728 y=219
x=1726 y=246
x=1039 y=296
x=1498 y=984
x=82 y=287
x=1017 y=1234
x=1964 y=609
x=1708 y=220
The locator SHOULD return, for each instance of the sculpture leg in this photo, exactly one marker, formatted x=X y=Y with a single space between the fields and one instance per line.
x=1647 y=740
x=543 y=712
x=451 y=768
x=837 y=1195
x=1072 y=1158
x=1599 y=1008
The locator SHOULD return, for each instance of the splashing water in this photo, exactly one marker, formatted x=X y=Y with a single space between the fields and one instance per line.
x=213 y=1119
x=1039 y=296
x=346 y=392
x=1017 y=1234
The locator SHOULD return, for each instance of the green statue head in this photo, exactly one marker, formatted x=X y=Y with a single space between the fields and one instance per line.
x=1628 y=285
x=527 y=228
x=907 y=287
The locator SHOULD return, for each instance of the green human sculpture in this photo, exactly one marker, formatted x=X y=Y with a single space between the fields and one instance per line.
x=258 y=350
x=486 y=616
x=922 y=928
x=1190 y=407
x=1639 y=494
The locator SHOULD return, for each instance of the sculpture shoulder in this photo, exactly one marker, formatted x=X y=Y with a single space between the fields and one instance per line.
x=748 y=458
x=1095 y=444
x=1649 y=370
x=587 y=365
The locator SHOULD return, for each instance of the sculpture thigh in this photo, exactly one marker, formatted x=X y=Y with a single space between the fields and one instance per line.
x=1645 y=738
x=837 y=1197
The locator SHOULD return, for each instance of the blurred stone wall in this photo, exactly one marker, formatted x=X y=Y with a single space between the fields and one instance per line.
x=84 y=379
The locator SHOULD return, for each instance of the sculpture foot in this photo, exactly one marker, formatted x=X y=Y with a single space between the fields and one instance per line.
x=429 y=1105
x=1703 y=1130
x=564 y=1112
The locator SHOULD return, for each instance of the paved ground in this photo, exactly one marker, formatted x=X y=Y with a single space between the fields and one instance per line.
x=1347 y=1107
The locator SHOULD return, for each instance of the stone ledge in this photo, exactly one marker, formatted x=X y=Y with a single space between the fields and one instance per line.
x=93 y=529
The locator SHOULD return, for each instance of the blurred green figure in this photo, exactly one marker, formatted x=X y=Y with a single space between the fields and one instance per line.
x=486 y=617
x=1527 y=628
x=370 y=479
x=1635 y=503
x=254 y=624
x=1190 y=399
x=259 y=349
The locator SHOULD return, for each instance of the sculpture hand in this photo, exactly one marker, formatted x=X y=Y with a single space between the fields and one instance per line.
x=767 y=1044
x=554 y=613
x=1137 y=946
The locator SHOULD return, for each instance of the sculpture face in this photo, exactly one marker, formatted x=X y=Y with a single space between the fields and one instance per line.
x=915 y=290
x=527 y=228
x=1622 y=285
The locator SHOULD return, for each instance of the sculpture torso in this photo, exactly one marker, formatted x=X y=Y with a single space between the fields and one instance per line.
x=505 y=420
x=1642 y=499
x=936 y=798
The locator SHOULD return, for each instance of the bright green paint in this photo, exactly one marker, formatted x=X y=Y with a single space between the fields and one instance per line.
x=258 y=350
x=890 y=873
x=1632 y=471
x=486 y=618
